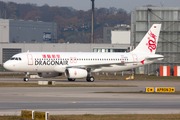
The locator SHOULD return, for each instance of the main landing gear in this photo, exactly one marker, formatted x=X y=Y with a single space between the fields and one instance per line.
x=89 y=77
x=26 y=79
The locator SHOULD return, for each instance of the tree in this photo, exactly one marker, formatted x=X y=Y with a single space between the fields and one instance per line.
x=61 y=41
x=72 y=25
x=33 y=15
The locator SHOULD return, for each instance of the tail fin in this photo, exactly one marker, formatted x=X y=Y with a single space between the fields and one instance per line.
x=149 y=43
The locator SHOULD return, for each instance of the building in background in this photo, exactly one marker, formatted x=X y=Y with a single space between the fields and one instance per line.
x=107 y=34
x=169 y=40
x=120 y=34
x=20 y=31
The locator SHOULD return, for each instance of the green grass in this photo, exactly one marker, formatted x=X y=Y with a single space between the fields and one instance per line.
x=58 y=85
x=105 y=117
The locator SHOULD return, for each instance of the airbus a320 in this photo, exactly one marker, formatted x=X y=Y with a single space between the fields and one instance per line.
x=81 y=64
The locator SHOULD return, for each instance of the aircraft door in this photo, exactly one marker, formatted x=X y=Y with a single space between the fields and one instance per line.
x=135 y=59
x=30 y=59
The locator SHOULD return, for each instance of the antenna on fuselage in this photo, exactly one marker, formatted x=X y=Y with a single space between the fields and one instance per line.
x=28 y=51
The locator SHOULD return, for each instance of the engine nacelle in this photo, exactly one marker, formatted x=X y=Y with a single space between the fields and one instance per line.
x=75 y=73
x=49 y=74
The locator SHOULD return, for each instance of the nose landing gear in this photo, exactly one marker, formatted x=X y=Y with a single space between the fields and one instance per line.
x=26 y=79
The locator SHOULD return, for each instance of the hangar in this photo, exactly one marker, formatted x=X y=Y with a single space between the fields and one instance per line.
x=169 y=41
x=20 y=31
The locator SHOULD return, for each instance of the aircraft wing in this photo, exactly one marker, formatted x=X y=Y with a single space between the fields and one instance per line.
x=98 y=65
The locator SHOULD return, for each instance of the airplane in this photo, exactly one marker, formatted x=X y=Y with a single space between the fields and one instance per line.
x=81 y=64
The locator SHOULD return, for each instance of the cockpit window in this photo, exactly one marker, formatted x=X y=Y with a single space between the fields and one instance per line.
x=16 y=58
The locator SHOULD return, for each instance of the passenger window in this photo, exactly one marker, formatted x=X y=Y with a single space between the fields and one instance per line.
x=19 y=58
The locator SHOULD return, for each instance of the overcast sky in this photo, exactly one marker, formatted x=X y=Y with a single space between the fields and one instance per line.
x=127 y=5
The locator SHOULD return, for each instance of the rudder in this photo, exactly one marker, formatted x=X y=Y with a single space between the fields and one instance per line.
x=148 y=44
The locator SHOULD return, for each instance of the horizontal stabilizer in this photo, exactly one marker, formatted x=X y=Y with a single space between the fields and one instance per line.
x=155 y=57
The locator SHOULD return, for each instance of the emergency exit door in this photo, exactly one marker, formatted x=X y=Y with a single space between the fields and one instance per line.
x=30 y=59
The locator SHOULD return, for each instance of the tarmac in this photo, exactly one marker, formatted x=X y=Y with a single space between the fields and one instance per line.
x=89 y=100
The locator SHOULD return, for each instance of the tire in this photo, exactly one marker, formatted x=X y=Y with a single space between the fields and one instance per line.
x=26 y=79
x=90 y=79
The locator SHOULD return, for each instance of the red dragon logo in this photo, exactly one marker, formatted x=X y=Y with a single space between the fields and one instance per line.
x=151 y=41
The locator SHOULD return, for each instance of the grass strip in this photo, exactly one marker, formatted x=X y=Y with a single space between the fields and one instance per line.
x=107 y=77
x=58 y=85
x=176 y=92
x=105 y=117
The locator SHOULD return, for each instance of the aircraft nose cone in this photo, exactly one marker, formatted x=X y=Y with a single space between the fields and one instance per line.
x=6 y=65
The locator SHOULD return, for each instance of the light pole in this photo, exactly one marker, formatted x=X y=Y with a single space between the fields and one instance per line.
x=92 y=28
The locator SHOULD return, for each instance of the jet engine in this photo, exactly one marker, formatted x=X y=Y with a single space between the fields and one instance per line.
x=75 y=73
x=49 y=74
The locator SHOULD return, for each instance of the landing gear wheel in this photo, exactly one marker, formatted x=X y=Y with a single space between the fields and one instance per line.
x=26 y=79
x=90 y=79
x=71 y=79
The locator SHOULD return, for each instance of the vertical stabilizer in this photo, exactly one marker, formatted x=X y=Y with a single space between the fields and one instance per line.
x=149 y=43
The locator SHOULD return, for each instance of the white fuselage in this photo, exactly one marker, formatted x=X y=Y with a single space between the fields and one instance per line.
x=59 y=61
